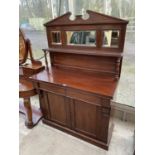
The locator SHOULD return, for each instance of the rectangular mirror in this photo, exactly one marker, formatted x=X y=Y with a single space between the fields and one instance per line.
x=56 y=37
x=111 y=38
x=83 y=38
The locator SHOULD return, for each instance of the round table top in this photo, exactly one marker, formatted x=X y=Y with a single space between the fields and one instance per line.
x=26 y=89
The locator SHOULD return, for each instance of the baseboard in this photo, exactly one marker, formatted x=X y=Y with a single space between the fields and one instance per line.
x=93 y=141
x=123 y=112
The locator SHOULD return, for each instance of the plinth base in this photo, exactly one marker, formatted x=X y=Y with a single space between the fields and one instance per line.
x=81 y=136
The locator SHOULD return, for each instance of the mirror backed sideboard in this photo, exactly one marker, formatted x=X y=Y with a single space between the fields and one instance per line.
x=77 y=86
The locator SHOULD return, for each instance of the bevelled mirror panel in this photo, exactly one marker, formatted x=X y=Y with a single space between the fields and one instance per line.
x=56 y=37
x=83 y=38
x=111 y=38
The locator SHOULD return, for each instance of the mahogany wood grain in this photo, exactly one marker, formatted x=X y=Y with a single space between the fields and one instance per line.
x=72 y=99
x=84 y=51
x=89 y=82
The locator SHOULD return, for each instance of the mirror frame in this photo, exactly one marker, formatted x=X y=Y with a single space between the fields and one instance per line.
x=25 y=55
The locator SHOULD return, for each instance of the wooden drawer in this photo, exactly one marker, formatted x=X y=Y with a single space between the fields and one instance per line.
x=52 y=88
x=84 y=96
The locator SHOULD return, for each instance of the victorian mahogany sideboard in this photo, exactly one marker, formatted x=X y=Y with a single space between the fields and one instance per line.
x=75 y=92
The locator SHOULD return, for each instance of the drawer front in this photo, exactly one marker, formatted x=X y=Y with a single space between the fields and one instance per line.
x=84 y=96
x=52 y=88
x=75 y=94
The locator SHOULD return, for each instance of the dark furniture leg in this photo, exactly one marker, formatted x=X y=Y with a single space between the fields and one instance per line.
x=36 y=113
x=28 y=113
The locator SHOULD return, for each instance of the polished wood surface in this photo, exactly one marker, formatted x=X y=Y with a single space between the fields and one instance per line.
x=91 y=60
x=76 y=89
x=84 y=52
x=26 y=89
x=95 y=83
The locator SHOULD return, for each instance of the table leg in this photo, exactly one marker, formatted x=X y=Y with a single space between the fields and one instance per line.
x=28 y=110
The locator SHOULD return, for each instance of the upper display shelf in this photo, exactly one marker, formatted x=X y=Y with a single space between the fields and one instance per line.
x=96 y=31
x=84 y=52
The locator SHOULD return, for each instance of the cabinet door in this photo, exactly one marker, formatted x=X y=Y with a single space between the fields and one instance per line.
x=59 y=108
x=84 y=117
x=89 y=120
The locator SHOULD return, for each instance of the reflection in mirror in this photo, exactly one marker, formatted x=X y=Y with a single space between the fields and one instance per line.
x=87 y=38
x=111 y=38
x=56 y=37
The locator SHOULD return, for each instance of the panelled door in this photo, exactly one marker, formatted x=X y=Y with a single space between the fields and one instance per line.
x=59 y=109
x=89 y=119
x=86 y=118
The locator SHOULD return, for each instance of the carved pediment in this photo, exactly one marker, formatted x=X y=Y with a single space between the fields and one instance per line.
x=94 y=18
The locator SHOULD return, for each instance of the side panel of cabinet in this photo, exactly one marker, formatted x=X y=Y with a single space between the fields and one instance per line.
x=103 y=117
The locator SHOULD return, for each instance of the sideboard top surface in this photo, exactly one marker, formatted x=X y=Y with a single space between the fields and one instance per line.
x=94 y=83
